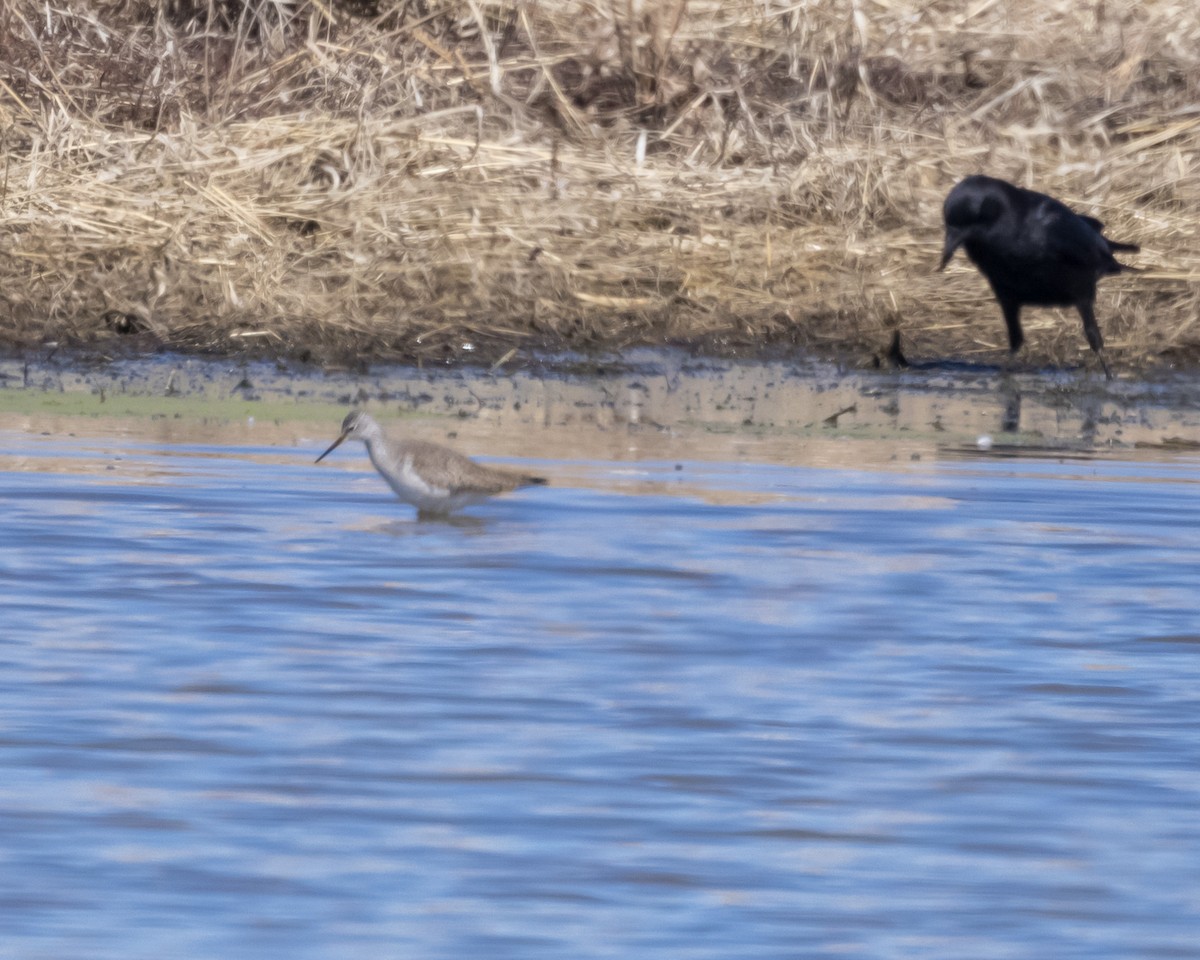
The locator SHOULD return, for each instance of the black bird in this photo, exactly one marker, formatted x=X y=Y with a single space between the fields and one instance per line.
x=1033 y=250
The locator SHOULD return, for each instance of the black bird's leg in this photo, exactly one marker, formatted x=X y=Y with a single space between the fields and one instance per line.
x=1095 y=339
x=1012 y=319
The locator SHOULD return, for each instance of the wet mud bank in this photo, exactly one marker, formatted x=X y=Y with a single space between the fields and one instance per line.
x=645 y=405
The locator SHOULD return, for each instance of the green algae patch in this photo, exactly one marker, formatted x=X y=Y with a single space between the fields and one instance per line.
x=100 y=404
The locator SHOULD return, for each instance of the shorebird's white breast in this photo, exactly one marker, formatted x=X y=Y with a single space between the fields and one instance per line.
x=424 y=489
x=407 y=481
x=416 y=488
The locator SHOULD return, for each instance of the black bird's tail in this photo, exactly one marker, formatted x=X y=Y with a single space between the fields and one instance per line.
x=1114 y=265
x=1115 y=245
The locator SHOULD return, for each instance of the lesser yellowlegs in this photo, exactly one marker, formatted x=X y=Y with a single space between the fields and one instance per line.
x=434 y=479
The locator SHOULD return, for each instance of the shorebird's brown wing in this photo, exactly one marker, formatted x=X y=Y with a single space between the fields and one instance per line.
x=460 y=474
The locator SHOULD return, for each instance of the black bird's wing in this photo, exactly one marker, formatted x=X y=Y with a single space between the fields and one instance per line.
x=1066 y=236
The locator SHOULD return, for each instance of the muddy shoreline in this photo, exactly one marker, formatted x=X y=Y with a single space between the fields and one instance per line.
x=647 y=404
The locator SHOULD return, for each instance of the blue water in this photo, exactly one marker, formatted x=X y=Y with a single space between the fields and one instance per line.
x=250 y=708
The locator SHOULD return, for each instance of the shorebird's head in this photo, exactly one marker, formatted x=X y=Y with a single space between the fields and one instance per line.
x=356 y=426
x=970 y=210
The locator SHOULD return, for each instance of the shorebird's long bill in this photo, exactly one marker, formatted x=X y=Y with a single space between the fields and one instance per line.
x=333 y=446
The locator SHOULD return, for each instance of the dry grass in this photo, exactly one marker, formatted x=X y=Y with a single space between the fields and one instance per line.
x=406 y=178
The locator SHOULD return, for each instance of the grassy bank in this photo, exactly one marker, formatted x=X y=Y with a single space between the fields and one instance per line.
x=459 y=179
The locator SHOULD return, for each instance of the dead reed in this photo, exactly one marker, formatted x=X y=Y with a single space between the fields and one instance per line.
x=441 y=179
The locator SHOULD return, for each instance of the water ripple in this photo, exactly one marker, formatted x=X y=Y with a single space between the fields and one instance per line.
x=249 y=707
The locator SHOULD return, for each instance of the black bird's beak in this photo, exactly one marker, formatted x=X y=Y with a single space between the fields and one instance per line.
x=333 y=446
x=954 y=239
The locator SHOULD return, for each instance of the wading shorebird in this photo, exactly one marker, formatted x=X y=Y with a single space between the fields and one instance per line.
x=1034 y=251
x=434 y=479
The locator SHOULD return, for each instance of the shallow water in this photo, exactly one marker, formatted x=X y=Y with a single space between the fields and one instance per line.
x=932 y=702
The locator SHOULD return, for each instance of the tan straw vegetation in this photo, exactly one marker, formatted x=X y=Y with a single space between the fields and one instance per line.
x=432 y=179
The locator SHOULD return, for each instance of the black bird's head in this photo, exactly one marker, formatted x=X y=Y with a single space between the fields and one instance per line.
x=970 y=210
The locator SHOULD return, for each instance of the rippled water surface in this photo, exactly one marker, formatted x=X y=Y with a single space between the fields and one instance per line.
x=684 y=708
